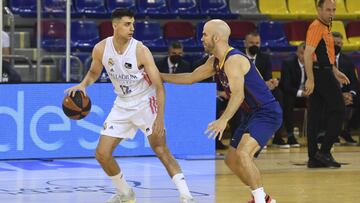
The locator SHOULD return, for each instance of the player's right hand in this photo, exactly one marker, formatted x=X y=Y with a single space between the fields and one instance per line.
x=309 y=87
x=72 y=90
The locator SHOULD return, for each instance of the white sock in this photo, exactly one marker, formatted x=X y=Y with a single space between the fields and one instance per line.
x=259 y=195
x=120 y=183
x=179 y=181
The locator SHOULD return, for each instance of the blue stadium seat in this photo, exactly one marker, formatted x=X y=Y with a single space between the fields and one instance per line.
x=151 y=35
x=113 y=4
x=216 y=9
x=154 y=9
x=199 y=29
x=53 y=35
x=185 y=9
x=273 y=36
x=84 y=34
x=24 y=8
x=91 y=8
x=57 y=8
x=183 y=32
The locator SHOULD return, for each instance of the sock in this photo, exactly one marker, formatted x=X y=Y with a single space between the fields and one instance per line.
x=179 y=181
x=120 y=183
x=259 y=195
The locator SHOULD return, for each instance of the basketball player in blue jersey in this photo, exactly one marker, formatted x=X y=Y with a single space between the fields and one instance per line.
x=139 y=104
x=248 y=93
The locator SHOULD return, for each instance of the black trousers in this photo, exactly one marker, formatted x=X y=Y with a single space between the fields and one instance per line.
x=291 y=102
x=326 y=93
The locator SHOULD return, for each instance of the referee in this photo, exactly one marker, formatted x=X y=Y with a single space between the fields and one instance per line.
x=323 y=86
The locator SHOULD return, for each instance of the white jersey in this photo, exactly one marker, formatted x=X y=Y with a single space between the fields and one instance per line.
x=128 y=79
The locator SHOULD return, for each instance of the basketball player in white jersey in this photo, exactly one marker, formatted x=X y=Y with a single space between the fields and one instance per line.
x=139 y=104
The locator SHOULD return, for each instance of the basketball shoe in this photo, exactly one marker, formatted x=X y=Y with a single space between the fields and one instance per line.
x=186 y=199
x=267 y=200
x=117 y=198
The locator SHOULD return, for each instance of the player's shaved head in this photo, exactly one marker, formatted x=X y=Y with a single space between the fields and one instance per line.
x=218 y=27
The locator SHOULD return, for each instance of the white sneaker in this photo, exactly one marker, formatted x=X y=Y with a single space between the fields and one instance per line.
x=117 y=198
x=186 y=199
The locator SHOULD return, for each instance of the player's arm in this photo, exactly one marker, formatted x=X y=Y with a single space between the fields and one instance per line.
x=201 y=73
x=96 y=65
x=94 y=71
x=235 y=68
x=152 y=71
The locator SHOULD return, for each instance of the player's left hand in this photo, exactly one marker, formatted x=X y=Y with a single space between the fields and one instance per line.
x=216 y=128
x=158 y=127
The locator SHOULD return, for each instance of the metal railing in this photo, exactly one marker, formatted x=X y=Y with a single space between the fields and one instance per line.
x=25 y=58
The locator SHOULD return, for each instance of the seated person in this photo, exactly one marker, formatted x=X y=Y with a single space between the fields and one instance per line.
x=292 y=83
x=350 y=92
x=174 y=63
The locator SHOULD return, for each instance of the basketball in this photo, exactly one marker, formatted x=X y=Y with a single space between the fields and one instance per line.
x=76 y=107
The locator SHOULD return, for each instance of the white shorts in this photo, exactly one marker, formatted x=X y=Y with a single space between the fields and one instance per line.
x=130 y=114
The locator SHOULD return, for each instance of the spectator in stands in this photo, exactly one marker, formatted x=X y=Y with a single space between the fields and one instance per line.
x=263 y=64
x=292 y=84
x=9 y=75
x=174 y=62
x=350 y=92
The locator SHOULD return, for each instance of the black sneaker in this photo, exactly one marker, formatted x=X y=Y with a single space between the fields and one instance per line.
x=293 y=142
x=313 y=163
x=279 y=142
x=327 y=159
x=337 y=141
x=348 y=139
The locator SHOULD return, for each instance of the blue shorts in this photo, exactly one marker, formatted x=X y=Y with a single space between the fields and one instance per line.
x=261 y=124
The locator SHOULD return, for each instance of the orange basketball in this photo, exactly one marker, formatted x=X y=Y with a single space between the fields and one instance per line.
x=76 y=107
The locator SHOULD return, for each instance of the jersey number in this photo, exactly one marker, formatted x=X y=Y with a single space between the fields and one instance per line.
x=125 y=89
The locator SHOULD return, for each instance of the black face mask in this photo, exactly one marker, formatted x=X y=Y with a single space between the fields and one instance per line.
x=337 y=49
x=253 y=50
x=175 y=59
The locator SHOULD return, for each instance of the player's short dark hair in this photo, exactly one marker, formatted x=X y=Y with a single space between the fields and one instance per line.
x=118 y=13
x=320 y=3
x=176 y=45
x=254 y=33
x=337 y=35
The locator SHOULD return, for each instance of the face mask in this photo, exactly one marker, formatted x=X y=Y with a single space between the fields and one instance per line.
x=175 y=59
x=253 y=50
x=337 y=49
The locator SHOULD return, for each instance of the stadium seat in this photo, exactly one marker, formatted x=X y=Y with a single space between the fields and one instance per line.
x=183 y=32
x=53 y=35
x=91 y=8
x=353 y=7
x=245 y=8
x=154 y=9
x=57 y=8
x=239 y=29
x=276 y=9
x=24 y=8
x=216 y=9
x=273 y=36
x=353 y=32
x=151 y=35
x=84 y=34
x=305 y=9
x=295 y=31
x=185 y=8
x=338 y=26
x=341 y=11
x=199 y=29
x=105 y=29
x=113 y=4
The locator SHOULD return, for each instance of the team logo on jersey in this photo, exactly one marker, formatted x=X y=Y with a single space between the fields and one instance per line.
x=111 y=70
x=128 y=65
x=105 y=126
x=110 y=62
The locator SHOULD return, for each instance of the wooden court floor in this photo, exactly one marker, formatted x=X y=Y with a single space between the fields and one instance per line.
x=287 y=179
